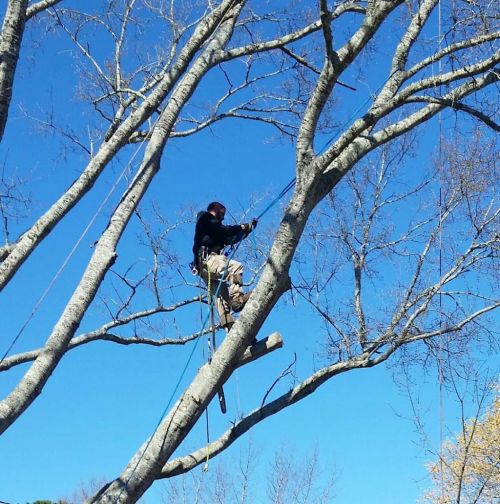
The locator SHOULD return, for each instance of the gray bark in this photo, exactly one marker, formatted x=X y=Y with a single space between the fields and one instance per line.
x=11 y=37
x=317 y=175
x=28 y=242
x=104 y=255
x=10 y=46
x=40 y=6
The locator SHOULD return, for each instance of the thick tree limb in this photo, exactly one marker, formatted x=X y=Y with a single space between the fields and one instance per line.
x=10 y=45
x=410 y=37
x=465 y=72
x=176 y=425
x=278 y=43
x=260 y=348
x=458 y=106
x=451 y=49
x=363 y=125
x=33 y=237
x=432 y=109
x=38 y=7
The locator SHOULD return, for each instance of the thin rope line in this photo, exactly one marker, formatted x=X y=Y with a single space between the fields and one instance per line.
x=440 y=340
x=70 y=254
x=292 y=182
x=165 y=410
x=201 y=310
x=210 y=313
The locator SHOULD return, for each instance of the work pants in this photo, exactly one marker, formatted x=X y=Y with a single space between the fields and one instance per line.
x=230 y=294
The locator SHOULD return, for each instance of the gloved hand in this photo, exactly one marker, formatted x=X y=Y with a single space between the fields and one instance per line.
x=247 y=228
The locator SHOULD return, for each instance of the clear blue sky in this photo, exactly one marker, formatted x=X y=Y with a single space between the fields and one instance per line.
x=104 y=400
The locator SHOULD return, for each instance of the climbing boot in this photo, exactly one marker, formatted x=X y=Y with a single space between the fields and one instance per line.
x=238 y=304
x=226 y=321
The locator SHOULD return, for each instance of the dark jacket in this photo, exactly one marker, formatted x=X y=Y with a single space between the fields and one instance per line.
x=211 y=233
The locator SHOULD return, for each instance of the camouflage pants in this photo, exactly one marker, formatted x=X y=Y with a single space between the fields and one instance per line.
x=230 y=293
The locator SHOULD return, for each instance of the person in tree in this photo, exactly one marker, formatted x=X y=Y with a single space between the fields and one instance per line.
x=210 y=238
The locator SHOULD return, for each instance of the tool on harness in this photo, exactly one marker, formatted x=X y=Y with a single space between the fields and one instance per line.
x=194 y=265
x=193 y=268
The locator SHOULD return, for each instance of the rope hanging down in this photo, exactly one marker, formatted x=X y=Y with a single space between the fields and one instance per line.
x=283 y=192
x=72 y=252
x=183 y=372
x=440 y=340
x=222 y=279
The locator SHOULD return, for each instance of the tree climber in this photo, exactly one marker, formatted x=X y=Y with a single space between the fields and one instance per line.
x=210 y=238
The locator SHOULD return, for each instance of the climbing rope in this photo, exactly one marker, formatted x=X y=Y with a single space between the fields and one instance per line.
x=440 y=340
x=186 y=365
x=282 y=193
x=207 y=317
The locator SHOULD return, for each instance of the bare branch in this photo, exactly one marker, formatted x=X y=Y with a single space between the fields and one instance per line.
x=454 y=328
x=327 y=30
x=430 y=110
x=104 y=334
x=284 y=373
x=40 y=6
x=458 y=106
x=341 y=9
x=299 y=392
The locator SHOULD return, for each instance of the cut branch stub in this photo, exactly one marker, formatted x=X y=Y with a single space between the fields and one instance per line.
x=261 y=348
